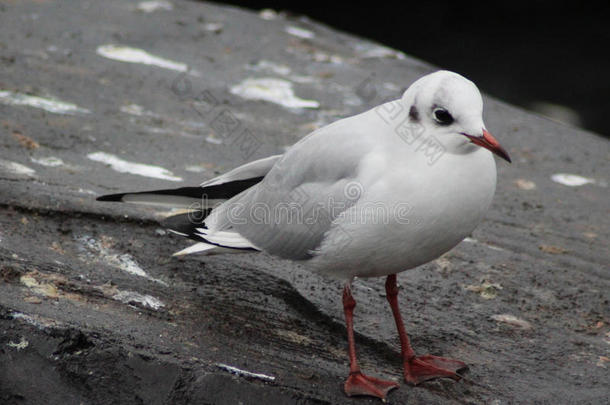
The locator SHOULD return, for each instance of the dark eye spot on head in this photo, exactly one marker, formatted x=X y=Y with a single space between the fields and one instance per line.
x=442 y=116
x=414 y=114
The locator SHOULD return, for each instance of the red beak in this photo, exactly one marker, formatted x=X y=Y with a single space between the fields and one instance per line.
x=487 y=141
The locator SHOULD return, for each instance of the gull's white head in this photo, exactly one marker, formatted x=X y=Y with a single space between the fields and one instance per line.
x=451 y=105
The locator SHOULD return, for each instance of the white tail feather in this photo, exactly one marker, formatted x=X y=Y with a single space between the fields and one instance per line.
x=207 y=249
x=196 y=248
x=226 y=238
x=170 y=201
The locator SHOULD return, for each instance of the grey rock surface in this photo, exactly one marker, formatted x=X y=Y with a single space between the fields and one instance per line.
x=94 y=310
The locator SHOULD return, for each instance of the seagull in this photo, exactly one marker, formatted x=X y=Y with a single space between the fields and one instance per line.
x=370 y=195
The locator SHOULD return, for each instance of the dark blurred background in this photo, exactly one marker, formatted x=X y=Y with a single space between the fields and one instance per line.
x=543 y=56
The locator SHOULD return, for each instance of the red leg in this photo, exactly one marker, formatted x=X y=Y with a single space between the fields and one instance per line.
x=357 y=383
x=418 y=368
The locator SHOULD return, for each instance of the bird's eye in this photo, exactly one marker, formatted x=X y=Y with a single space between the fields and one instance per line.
x=442 y=116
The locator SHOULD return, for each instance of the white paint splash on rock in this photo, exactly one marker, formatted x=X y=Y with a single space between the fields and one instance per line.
x=94 y=249
x=137 y=110
x=213 y=140
x=368 y=50
x=141 y=169
x=16 y=168
x=135 y=55
x=195 y=168
x=129 y=297
x=49 y=161
x=512 y=321
x=86 y=191
x=571 y=180
x=299 y=32
x=19 y=346
x=36 y=321
x=150 y=6
x=525 y=184
x=473 y=240
x=268 y=14
x=215 y=27
x=274 y=90
x=51 y=105
x=244 y=373
x=267 y=65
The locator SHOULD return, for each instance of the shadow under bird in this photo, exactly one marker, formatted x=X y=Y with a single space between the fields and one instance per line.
x=367 y=196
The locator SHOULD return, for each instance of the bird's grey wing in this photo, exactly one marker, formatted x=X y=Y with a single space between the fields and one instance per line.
x=288 y=213
x=257 y=168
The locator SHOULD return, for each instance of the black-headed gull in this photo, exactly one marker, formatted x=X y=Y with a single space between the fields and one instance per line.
x=370 y=195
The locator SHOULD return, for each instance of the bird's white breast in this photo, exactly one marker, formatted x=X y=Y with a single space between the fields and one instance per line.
x=409 y=214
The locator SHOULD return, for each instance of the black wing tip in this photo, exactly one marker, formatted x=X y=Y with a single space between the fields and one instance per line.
x=186 y=223
x=111 y=197
x=218 y=191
